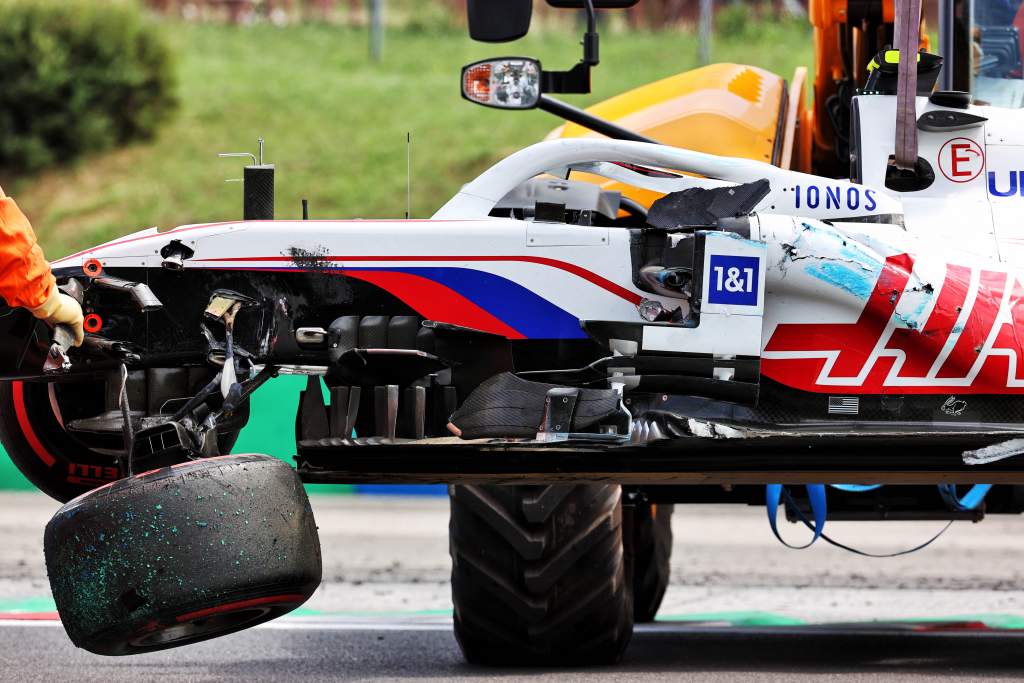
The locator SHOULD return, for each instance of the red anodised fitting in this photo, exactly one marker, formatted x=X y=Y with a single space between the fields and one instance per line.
x=93 y=323
x=93 y=267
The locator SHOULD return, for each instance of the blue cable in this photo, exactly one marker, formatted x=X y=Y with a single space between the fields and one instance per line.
x=856 y=488
x=971 y=500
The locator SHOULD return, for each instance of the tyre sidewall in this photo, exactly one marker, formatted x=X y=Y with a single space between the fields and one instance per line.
x=41 y=448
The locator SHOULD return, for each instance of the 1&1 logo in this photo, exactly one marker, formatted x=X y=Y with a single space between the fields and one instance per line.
x=733 y=280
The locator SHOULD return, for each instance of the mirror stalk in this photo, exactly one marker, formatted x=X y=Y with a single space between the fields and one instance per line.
x=589 y=121
x=577 y=79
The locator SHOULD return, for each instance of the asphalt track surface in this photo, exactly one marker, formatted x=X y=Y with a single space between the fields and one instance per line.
x=740 y=607
x=337 y=650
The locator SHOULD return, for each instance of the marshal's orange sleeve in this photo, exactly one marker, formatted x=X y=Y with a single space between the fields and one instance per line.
x=25 y=277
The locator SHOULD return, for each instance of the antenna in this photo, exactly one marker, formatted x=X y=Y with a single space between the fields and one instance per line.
x=408 y=175
x=225 y=155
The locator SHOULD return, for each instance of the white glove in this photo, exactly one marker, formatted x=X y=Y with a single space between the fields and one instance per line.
x=61 y=309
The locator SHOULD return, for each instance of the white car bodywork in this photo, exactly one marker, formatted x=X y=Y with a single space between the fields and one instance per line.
x=955 y=244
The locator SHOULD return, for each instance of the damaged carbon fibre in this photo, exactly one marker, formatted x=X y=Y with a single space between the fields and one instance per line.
x=700 y=453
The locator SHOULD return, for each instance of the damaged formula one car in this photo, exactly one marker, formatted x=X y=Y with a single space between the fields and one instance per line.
x=572 y=361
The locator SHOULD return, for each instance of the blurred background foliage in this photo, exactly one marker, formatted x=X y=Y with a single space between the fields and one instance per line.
x=78 y=77
x=299 y=74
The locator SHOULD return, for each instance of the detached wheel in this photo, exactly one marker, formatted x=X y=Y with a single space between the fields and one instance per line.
x=648 y=545
x=539 y=574
x=182 y=554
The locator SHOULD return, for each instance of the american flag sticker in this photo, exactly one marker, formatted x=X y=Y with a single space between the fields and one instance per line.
x=843 y=405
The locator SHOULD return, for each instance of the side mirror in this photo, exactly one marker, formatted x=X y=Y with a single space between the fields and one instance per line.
x=506 y=83
x=498 y=21
x=598 y=4
x=518 y=82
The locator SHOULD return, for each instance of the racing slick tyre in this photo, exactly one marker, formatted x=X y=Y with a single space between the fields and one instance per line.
x=648 y=544
x=57 y=463
x=182 y=554
x=539 y=574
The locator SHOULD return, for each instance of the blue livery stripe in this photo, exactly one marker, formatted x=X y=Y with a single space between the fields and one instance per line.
x=530 y=314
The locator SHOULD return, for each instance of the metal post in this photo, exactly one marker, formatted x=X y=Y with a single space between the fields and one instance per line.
x=704 y=30
x=408 y=175
x=947 y=19
x=376 y=29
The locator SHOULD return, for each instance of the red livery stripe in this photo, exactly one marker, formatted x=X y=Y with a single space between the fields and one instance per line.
x=854 y=341
x=434 y=301
x=594 y=278
x=177 y=231
x=922 y=347
x=979 y=324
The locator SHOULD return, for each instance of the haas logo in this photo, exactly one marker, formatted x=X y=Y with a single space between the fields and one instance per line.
x=972 y=341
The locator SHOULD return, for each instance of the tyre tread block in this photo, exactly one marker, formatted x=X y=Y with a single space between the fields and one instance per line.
x=529 y=545
x=543 y=577
x=538 y=508
x=568 y=604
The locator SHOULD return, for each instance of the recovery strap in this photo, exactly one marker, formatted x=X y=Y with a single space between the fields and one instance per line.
x=774 y=493
x=908 y=39
x=815 y=494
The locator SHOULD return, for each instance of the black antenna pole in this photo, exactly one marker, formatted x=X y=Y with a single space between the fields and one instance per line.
x=408 y=175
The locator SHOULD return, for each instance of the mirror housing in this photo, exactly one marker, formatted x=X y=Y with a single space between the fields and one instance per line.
x=504 y=83
x=498 y=21
x=518 y=82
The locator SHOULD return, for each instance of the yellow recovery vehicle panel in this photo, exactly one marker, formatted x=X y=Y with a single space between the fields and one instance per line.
x=728 y=109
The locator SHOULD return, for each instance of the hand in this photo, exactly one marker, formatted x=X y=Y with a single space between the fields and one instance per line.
x=61 y=309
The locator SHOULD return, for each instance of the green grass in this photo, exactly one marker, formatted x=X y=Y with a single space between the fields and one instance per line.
x=335 y=123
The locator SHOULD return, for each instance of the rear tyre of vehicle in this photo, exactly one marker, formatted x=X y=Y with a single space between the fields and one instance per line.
x=51 y=458
x=182 y=554
x=539 y=574
x=648 y=543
